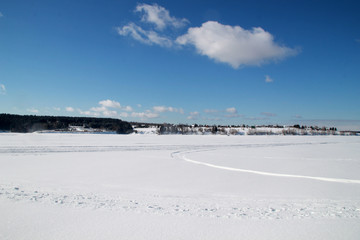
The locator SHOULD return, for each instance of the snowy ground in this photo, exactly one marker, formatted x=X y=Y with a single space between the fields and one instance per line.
x=92 y=186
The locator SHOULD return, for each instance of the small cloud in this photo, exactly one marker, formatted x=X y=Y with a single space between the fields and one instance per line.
x=109 y=113
x=56 y=108
x=127 y=108
x=32 y=110
x=110 y=104
x=124 y=114
x=1 y=15
x=69 y=109
x=144 y=115
x=235 y=115
x=2 y=89
x=256 y=118
x=148 y=37
x=297 y=116
x=159 y=16
x=139 y=105
x=231 y=110
x=357 y=40
x=234 y=45
x=98 y=109
x=193 y=116
x=162 y=109
x=268 y=79
x=268 y=114
x=89 y=113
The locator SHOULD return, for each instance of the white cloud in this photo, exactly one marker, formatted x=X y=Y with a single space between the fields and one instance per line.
x=256 y=118
x=98 y=109
x=144 y=115
x=211 y=111
x=144 y=36
x=127 y=108
x=194 y=116
x=268 y=114
x=105 y=109
x=2 y=89
x=89 y=113
x=234 y=45
x=69 y=109
x=32 y=110
x=109 y=113
x=1 y=15
x=159 y=16
x=231 y=110
x=268 y=79
x=297 y=116
x=110 y=104
x=124 y=114
x=162 y=109
x=56 y=108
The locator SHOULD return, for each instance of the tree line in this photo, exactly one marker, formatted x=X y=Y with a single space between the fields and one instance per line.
x=31 y=123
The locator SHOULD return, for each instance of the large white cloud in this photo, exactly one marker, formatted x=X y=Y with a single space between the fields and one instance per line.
x=159 y=16
x=234 y=45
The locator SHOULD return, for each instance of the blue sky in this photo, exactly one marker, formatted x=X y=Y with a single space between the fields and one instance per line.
x=212 y=62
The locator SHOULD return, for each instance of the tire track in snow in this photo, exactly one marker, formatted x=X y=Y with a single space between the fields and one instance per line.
x=182 y=156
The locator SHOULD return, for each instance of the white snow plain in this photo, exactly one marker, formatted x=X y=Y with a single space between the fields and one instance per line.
x=103 y=186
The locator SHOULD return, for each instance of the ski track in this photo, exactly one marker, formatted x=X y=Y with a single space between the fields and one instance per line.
x=182 y=156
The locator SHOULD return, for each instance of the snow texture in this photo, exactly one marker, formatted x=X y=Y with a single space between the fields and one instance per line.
x=146 y=186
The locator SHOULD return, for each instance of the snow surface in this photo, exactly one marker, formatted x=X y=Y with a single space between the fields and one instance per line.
x=145 y=186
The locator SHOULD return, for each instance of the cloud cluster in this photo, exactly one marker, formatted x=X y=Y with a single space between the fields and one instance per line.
x=111 y=108
x=154 y=15
x=2 y=89
x=232 y=45
x=162 y=109
x=145 y=115
x=107 y=108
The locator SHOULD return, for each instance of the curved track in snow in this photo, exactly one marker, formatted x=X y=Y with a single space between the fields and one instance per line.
x=182 y=156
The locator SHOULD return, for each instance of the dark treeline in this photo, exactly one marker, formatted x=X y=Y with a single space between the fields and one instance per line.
x=31 y=123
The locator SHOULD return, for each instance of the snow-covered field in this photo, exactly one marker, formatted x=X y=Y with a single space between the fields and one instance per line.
x=93 y=186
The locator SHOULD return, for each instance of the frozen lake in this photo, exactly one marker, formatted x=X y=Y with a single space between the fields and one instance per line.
x=92 y=186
